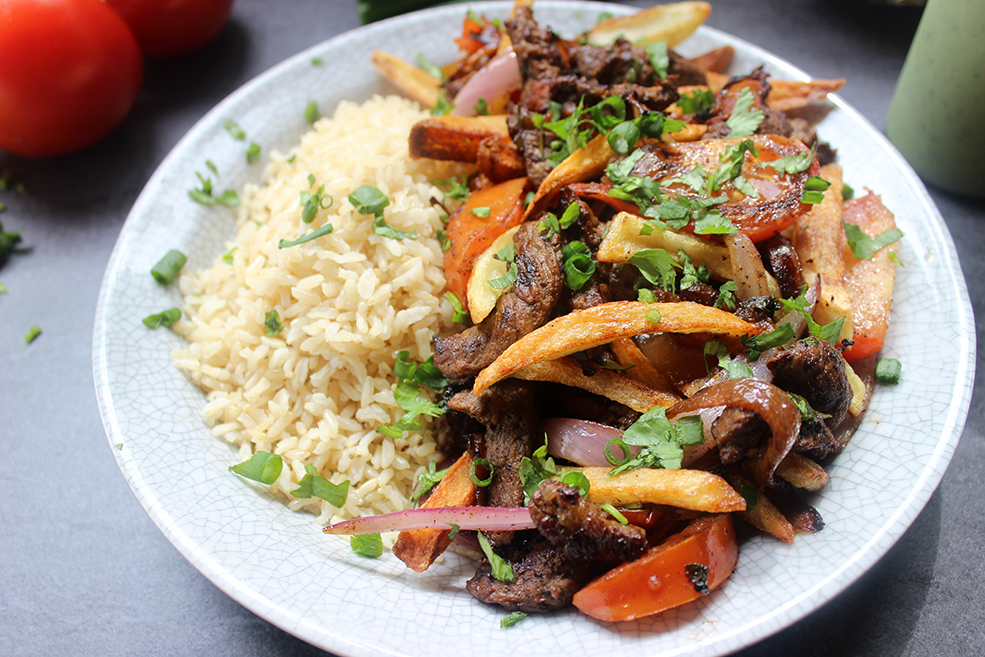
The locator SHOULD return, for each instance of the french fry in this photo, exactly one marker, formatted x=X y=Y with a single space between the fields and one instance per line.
x=482 y=296
x=819 y=239
x=716 y=61
x=613 y=385
x=590 y=327
x=584 y=164
x=623 y=239
x=763 y=515
x=695 y=490
x=671 y=23
x=455 y=138
x=640 y=367
x=793 y=94
x=802 y=472
x=418 y=84
x=418 y=548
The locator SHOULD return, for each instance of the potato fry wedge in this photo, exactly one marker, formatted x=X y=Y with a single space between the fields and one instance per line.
x=820 y=242
x=454 y=138
x=584 y=164
x=695 y=490
x=482 y=296
x=763 y=515
x=418 y=548
x=412 y=80
x=641 y=368
x=716 y=61
x=606 y=383
x=622 y=240
x=671 y=23
x=583 y=329
x=793 y=94
x=802 y=472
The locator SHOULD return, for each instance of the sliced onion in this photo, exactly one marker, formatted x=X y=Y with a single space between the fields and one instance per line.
x=765 y=399
x=581 y=441
x=751 y=276
x=466 y=517
x=494 y=80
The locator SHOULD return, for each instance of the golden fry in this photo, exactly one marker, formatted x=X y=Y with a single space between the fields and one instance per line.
x=455 y=138
x=412 y=80
x=695 y=490
x=671 y=23
x=583 y=329
x=793 y=94
x=802 y=472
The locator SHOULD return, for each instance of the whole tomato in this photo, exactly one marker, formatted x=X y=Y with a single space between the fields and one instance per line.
x=70 y=71
x=173 y=27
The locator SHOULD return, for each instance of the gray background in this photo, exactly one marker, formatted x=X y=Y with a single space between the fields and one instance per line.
x=83 y=570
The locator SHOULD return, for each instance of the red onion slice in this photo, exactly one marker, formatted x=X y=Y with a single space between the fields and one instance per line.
x=466 y=517
x=492 y=81
x=765 y=399
x=580 y=441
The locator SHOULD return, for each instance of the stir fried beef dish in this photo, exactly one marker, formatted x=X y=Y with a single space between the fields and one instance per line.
x=664 y=328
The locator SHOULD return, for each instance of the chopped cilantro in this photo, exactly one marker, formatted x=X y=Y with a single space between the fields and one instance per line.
x=501 y=569
x=459 y=314
x=367 y=545
x=253 y=153
x=443 y=240
x=726 y=296
x=443 y=106
x=311 y=112
x=428 y=480
x=234 y=129
x=262 y=466
x=661 y=443
x=863 y=246
x=204 y=194
x=511 y=619
x=697 y=101
x=482 y=107
x=745 y=117
x=458 y=187
x=313 y=484
x=720 y=352
x=481 y=211
x=535 y=470
x=508 y=255
x=757 y=344
x=657 y=266
x=659 y=58
x=430 y=67
x=407 y=393
x=828 y=332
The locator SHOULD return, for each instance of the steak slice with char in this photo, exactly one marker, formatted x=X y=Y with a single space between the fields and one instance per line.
x=519 y=311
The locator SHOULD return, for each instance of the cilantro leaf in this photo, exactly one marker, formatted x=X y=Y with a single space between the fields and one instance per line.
x=313 y=484
x=367 y=545
x=262 y=466
x=657 y=266
x=745 y=117
x=865 y=247
x=501 y=569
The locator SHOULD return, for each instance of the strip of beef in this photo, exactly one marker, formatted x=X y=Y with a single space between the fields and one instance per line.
x=782 y=261
x=568 y=74
x=580 y=528
x=510 y=414
x=815 y=370
x=545 y=580
x=737 y=431
x=520 y=310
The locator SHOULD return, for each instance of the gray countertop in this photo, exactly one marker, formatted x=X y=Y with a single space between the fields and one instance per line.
x=84 y=571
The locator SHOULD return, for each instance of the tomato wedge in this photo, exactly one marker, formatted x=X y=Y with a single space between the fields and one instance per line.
x=487 y=214
x=681 y=569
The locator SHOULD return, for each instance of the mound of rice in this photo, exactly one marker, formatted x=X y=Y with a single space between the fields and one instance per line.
x=349 y=301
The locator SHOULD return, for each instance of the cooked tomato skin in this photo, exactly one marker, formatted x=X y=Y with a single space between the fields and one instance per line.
x=165 y=28
x=70 y=70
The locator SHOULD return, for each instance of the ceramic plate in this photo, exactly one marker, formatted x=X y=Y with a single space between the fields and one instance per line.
x=278 y=563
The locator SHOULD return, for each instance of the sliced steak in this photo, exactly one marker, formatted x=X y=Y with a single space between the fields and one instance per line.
x=581 y=529
x=545 y=580
x=520 y=310
x=815 y=370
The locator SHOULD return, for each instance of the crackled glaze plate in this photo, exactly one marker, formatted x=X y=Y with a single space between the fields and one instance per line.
x=278 y=563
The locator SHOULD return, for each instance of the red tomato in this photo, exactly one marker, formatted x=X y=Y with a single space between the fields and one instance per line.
x=70 y=71
x=173 y=27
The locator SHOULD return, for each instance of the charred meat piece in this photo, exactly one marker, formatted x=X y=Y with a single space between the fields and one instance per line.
x=545 y=580
x=737 y=431
x=520 y=310
x=815 y=370
x=581 y=529
x=510 y=414
x=781 y=260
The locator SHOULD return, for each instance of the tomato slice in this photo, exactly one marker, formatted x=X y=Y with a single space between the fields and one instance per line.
x=870 y=282
x=681 y=569
x=486 y=215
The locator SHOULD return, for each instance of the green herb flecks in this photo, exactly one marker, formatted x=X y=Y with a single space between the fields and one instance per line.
x=459 y=314
x=164 y=318
x=311 y=112
x=865 y=247
x=234 y=130
x=311 y=203
x=888 y=370
x=757 y=344
x=313 y=484
x=263 y=467
x=659 y=58
x=501 y=568
x=814 y=190
x=272 y=325
x=428 y=480
x=367 y=545
x=205 y=194
x=801 y=305
x=535 y=470
x=577 y=263
x=661 y=443
x=720 y=352
x=167 y=268
x=506 y=254
x=315 y=234
x=407 y=393
x=32 y=334
x=253 y=153
x=697 y=101
x=511 y=619
x=745 y=117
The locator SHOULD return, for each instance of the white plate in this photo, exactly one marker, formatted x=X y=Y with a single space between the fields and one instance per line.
x=278 y=563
